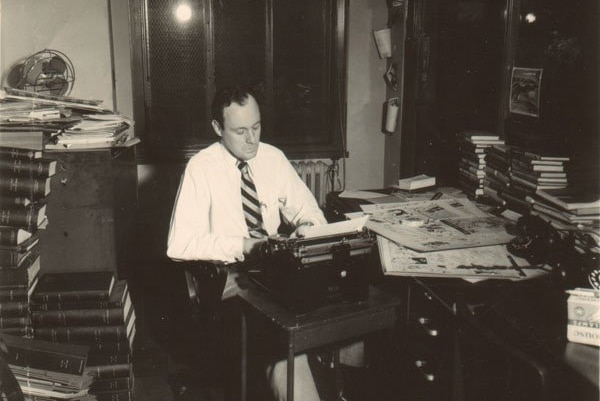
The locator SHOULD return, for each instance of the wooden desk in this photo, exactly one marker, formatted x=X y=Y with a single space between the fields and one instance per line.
x=324 y=326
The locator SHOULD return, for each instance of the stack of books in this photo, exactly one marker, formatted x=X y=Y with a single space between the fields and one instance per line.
x=24 y=186
x=472 y=146
x=47 y=370
x=496 y=178
x=570 y=210
x=530 y=172
x=92 y=309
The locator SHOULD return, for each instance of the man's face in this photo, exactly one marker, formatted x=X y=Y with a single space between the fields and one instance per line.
x=240 y=133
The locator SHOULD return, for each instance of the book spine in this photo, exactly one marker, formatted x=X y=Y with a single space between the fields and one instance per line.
x=516 y=203
x=8 y=200
x=71 y=296
x=34 y=188
x=9 y=235
x=18 y=153
x=56 y=306
x=13 y=322
x=18 y=217
x=493 y=194
x=9 y=257
x=27 y=167
x=14 y=309
x=14 y=277
x=18 y=331
x=78 y=317
x=120 y=383
x=98 y=359
x=111 y=371
x=472 y=178
x=494 y=184
x=92 y=334
x=13 y=295
x=113 y=347
x=46 y=360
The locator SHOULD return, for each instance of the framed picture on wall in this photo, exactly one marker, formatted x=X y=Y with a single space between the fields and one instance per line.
x=525 y=87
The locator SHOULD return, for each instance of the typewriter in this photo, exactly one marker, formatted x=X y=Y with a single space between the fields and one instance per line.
x=307 y=273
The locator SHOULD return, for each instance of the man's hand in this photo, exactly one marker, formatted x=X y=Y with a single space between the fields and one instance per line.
x=301 y=230
x=251 y=245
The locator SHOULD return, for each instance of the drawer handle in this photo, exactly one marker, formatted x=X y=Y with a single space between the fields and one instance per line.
x=422 y=365
x=425 y=322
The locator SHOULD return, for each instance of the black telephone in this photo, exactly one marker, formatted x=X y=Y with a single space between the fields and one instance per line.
x=540 y=243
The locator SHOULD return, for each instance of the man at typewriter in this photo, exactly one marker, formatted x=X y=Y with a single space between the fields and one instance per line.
x=232 y=196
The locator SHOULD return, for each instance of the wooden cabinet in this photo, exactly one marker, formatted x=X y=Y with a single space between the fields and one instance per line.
x=486 y=341
x=90 y=209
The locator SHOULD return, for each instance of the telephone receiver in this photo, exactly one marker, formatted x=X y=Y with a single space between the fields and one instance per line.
x=537 y=242
x=540 y=243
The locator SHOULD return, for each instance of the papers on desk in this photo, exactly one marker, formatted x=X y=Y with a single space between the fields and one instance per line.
x=437 y=225
x=480 y=262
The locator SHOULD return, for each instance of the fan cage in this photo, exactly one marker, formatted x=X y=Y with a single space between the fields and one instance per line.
x=48 y=71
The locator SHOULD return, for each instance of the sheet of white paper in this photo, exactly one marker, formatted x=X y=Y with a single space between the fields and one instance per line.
x=341 y=227
x=356 y=194
x=353 y=215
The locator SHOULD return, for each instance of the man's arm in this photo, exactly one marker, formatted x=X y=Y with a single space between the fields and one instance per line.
x=190 y=234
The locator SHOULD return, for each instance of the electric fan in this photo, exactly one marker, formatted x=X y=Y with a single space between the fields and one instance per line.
x=47 y=71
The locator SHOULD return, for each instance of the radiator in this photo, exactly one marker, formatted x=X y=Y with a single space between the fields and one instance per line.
x=314 y=175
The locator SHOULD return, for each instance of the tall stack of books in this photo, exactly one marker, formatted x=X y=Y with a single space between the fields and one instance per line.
x=530 y=172
x=472 y=146
x=24 y=186
x=496 y=179
x=46 y=370
x=93 y=309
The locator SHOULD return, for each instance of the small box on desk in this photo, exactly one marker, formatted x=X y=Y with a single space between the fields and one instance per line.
x=583 y=313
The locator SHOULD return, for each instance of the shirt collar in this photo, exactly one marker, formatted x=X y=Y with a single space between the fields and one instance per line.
x=233 y=161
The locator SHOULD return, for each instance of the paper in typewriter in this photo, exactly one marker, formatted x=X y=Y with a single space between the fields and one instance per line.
x=482 y=262
x=341 y=227
x=436 y=225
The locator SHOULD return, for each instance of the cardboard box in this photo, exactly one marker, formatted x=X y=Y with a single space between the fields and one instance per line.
x=583 y=314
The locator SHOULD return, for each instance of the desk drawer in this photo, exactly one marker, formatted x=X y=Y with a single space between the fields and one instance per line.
x=429 y=346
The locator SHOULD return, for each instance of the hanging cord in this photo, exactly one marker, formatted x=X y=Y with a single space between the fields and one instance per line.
x=333 y=176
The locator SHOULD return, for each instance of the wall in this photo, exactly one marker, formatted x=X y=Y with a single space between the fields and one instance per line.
x=78 y=28
x=366 y=94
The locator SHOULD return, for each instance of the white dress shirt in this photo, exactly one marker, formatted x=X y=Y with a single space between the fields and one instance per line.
x=208 y=221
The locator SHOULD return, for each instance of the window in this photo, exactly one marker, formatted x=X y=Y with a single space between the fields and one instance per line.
x=292 y=53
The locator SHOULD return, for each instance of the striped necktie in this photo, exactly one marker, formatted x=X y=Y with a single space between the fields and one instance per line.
x=251 y=204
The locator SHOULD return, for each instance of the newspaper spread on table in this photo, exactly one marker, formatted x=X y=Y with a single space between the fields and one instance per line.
x=435 y=225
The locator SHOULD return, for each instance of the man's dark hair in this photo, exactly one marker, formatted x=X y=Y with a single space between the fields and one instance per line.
x=224 y=97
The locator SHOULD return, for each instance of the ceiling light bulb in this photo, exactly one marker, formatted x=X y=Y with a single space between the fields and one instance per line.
x=183 y=12
x=530 y=18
